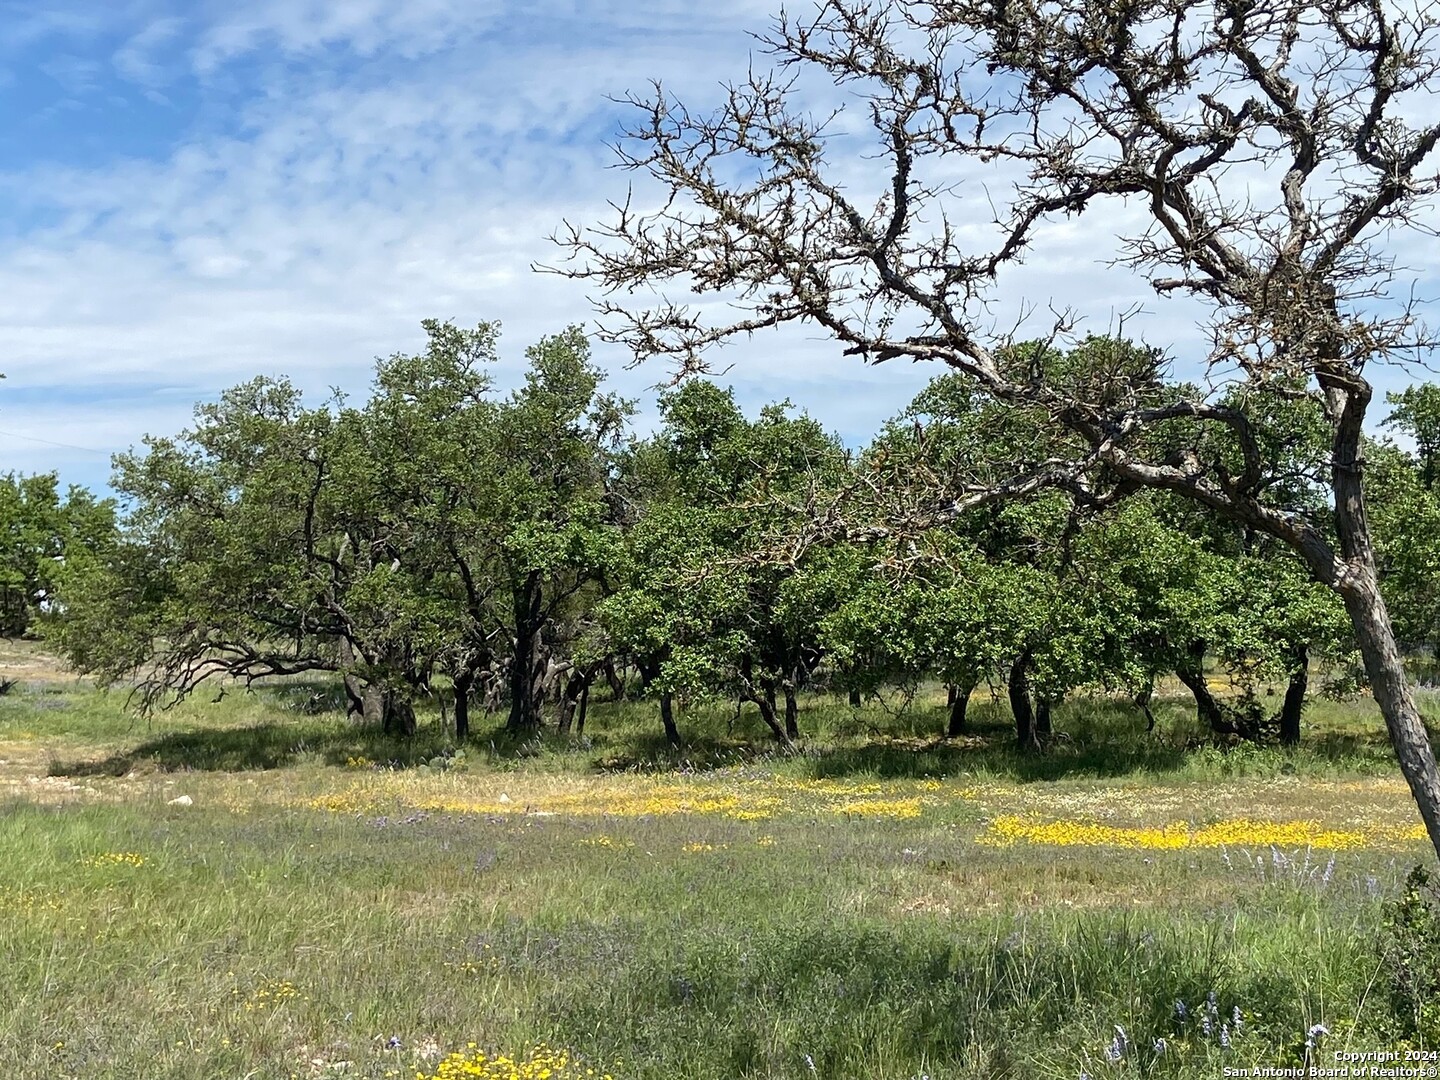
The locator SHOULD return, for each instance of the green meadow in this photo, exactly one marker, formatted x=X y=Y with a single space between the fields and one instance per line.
x=255 y=887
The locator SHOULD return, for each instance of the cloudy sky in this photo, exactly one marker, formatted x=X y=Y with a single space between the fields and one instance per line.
x=193 y=192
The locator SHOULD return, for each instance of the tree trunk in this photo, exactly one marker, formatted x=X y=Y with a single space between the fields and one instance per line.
x=493 y=681
x=354 y=686
x=792 y=711
x=1019 y=687
x=584 y=704
x=1142 y=702
x=463 y=682
x=667 y=717
x=565 y=711
x=614 y=679
x=527 y=690
x=1391 y=690
x=1043 y=729
x=577 y=685
x=1191 y=672
x=527 y=665
x=1294 y=704
x=387 y=711
x=399 y=715
x=1354 y=576
x=959 y=705
x=764 y=699
x=373 y=708
x=854 y=697
x=766 y=704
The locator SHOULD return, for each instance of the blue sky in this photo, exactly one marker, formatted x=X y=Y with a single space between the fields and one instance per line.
x=193 y=193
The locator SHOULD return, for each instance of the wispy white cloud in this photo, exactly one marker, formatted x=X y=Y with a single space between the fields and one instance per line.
x=139 y=59
x=335 y=206
x=27 y=24
x=353 y=168
x=76 y=75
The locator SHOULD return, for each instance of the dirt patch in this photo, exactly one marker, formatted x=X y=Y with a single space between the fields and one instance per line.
x=29 y=662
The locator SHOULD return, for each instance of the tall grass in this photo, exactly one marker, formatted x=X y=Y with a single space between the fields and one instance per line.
x=250 y=934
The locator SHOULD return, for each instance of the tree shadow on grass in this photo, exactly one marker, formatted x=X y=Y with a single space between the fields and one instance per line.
x=1100 y=751
x=262 y=746
x=994 y=754
x=1102 y=743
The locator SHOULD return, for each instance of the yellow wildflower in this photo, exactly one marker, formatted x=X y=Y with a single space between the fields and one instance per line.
x=1178 y=835
x=115 y=858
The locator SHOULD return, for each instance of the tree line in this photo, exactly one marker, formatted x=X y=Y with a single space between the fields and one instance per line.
x=510 y=551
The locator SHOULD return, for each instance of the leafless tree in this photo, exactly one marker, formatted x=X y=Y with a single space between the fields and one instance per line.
x=1277 y=153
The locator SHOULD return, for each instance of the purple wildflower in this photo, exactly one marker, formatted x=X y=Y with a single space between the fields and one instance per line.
x=1119 y=1047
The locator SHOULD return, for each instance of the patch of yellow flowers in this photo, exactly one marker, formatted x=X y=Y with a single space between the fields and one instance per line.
x=747 y=803
x=115 y=858
x=270 y=994
x=894 y=809
x=28 y=902
x=1004 y=831
x=540 y=1063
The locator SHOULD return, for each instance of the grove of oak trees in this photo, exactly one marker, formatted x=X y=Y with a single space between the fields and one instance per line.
x=442 y=540
x=1277 y=155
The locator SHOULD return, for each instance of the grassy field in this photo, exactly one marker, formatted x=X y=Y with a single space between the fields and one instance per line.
x=242 y=889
